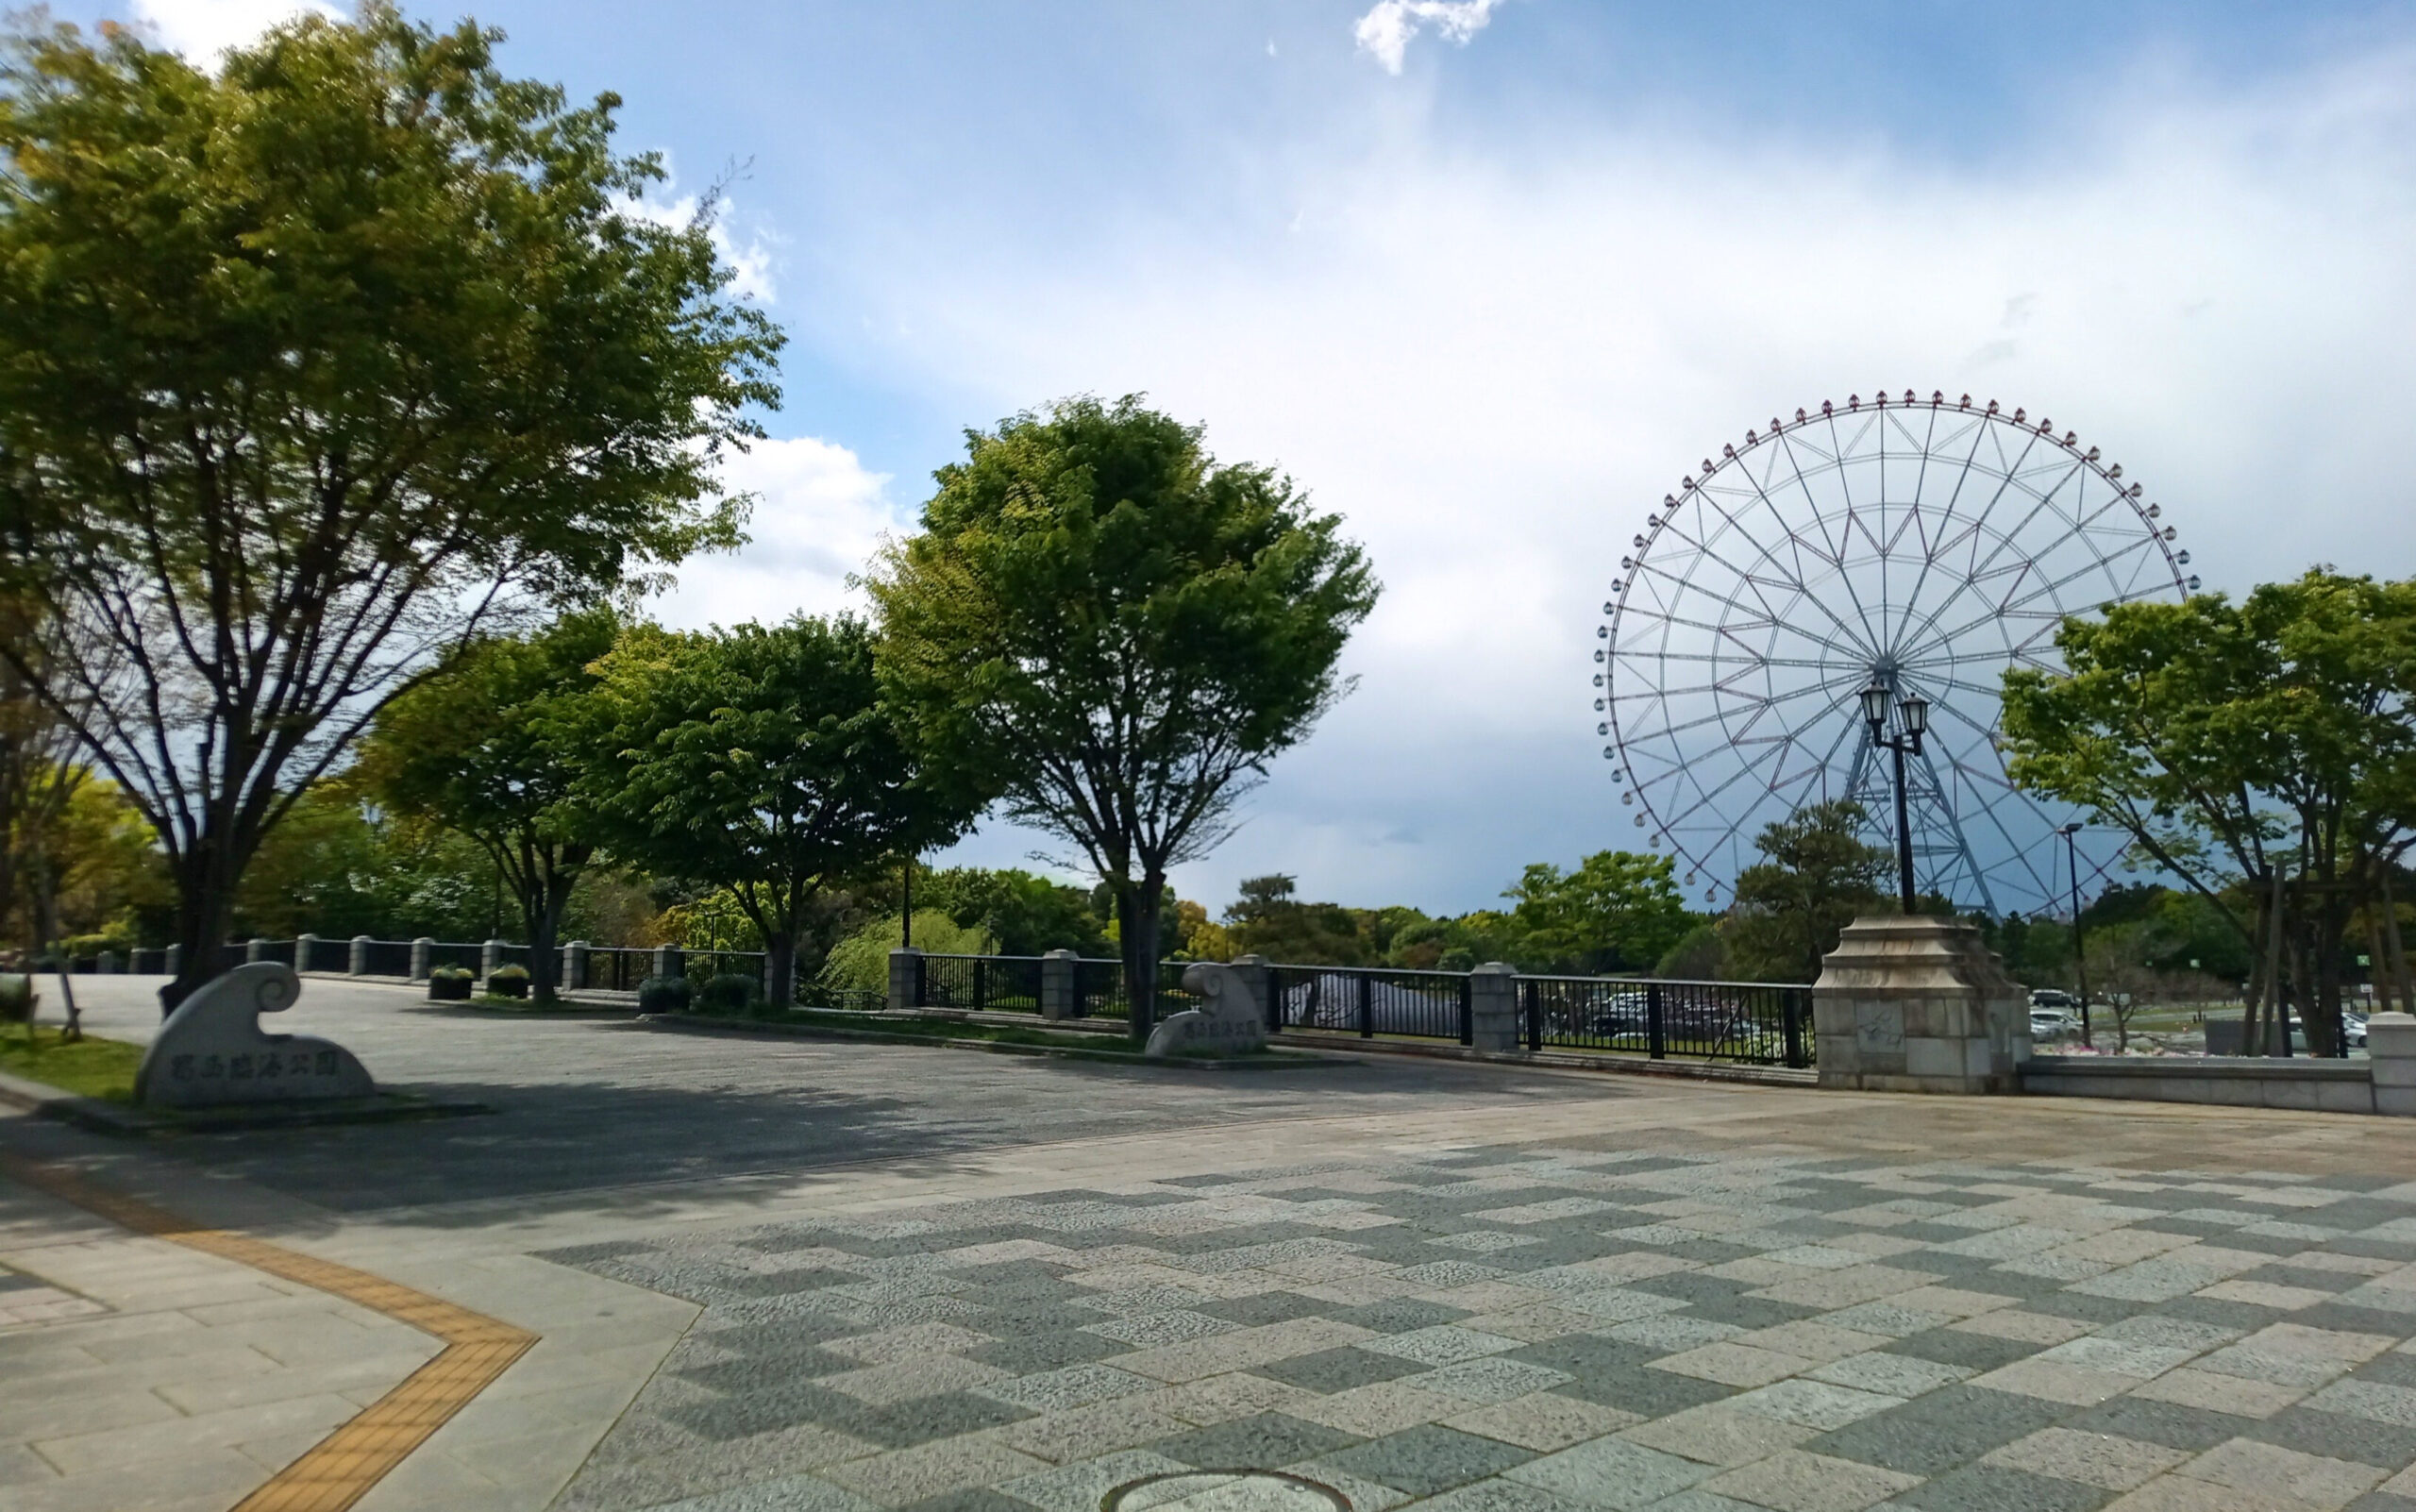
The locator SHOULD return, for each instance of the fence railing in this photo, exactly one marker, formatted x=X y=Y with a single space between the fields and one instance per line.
x=1744 y=1022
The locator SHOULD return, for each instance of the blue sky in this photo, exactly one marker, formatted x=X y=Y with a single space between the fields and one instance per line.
x=1492 y=306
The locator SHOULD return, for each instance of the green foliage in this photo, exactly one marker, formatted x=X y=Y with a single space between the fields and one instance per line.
x=665 y=994
x=1267 y=920
x=1817 y=874
x=2270 y=738
x=311 y=368
x=728 y=992
x=759 y=759
x=1618 y=912
x=1112 y=635
x=1700 y=955
x=1025 y=914
x=860 y=962
x=488 y=749
x=333 y=870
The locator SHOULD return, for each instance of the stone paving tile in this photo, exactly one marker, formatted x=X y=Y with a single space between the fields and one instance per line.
x=1706 y=1329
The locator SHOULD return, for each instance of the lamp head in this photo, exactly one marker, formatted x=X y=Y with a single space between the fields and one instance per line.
x=1874 y=704
x=1916 y=711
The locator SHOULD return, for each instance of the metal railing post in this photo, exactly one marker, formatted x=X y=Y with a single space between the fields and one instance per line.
x=1535 y=991
x=1367 y=1007
x=1791 y=1026
x=1468 y=1008
x=1656 y=1028
x=981 y=982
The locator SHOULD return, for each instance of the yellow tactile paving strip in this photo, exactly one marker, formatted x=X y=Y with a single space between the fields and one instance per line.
x=341 y=1468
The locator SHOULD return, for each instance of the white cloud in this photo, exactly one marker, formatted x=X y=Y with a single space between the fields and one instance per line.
x=1385 y=30
x=753 y=260
x=818 y=516
x=1495 y=361
x=201 y=29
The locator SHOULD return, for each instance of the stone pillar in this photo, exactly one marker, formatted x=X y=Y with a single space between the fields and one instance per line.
x=172 y=960
x=575 y=966
x=357 y=964
x=252 y=950
x=1061 y=989
x=423 y=951
x=302 y=946
x=490 y=961
x=1493 y=1005
x=2390 y=1045
x=670 y=960
x=906 y=979
x=1253 y=971
x=111 y=963
x=1918 y=1004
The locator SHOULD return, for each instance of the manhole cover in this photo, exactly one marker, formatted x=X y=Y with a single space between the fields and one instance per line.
x=1223 y=1491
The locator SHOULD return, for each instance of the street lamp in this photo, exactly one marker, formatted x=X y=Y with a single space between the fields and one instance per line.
x=2080 y=961
x=1913 y=711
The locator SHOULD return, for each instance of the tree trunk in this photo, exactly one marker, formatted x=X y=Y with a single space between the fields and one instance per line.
x=545 y=934
x=2272 y=997
x=2378 y=956
x=1137 y=906
x=780 y=968
x=205 y=903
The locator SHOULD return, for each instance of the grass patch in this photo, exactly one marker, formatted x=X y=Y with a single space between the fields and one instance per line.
x=90 y=1067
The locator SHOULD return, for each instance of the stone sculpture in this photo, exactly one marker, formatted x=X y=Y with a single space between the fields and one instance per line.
x=211 y=1050
x=1228 y=1020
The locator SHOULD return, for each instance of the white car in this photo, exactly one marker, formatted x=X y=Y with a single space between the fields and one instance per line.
x=2053 y=1023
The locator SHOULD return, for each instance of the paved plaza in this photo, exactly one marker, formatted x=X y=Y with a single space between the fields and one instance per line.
x=769 y=1274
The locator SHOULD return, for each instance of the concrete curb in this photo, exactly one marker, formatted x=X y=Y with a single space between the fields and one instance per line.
x=102 y=1116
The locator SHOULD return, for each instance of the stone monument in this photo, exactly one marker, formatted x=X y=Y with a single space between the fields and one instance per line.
x=1918 y=1004
x=1228 y=1020
x=211 y=1050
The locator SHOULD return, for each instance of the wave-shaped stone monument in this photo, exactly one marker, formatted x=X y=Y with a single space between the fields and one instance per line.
x=212 y=1051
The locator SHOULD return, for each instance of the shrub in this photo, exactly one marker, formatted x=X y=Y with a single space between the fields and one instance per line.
x=728 y=993
x=860 y=962
x=450 y=984
x=17 y=998
x=509 y=981
x=664 y=995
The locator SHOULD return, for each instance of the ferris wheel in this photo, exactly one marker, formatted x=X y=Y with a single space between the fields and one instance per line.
x=1924 y=545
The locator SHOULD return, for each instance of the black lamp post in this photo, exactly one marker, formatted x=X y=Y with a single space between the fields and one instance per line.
x=2080 y=961
x=1913 y=711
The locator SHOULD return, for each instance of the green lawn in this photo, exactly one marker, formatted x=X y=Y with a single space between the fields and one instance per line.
x=89 y=1067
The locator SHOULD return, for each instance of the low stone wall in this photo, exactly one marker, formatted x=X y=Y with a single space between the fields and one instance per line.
x=2239 y=1082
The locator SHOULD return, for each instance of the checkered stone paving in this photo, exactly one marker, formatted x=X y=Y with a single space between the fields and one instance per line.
x=1541 y=1328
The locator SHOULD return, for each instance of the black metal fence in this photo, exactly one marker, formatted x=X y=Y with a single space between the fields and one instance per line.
x=1420 y=1004
x=994 y=984
x=1754 y=1023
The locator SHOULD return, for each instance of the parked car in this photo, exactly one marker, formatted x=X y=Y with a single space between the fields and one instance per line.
x=2053 y=1023
x=1625 y=1012
x=2051 y=997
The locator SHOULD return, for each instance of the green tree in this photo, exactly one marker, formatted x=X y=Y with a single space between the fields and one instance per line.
x=2264 y=741
x=1818 y=874
x=1616 y=911
x=1025 y=914
x=1113 y=634
x=761 y=760
x=488 y=749
x=1267 y=919
x=313 y=368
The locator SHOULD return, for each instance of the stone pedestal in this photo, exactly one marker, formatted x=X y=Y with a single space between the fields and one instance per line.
x=1493 y=1006
x=1918 y=1004
x=1257 y=976
x=575 y=966
x=1060 y=985
x=357 y=964
x=2390 y=1046
x=906 y=979
x=423 y=954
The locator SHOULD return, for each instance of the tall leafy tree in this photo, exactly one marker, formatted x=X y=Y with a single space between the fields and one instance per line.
x=490 y=749
x=2271 y=741
x=1816 y=875
x=314 y=368
x=761 y=760
x=1113 y=633
x=1616 y=911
